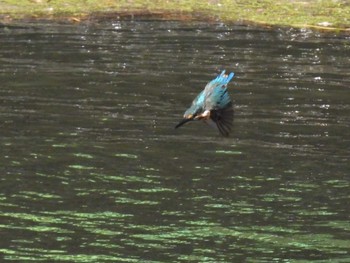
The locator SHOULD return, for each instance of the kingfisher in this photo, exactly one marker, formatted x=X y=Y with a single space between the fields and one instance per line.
x=213 y=105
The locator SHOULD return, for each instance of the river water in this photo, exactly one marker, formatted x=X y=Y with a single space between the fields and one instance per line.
x=92 y=169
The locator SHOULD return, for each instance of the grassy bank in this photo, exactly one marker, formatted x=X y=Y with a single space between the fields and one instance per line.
x=322 y=14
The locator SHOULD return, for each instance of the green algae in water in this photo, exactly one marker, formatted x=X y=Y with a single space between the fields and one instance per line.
x=126 y=155
x=83 y=155
x=229 y=152
x=80 y=167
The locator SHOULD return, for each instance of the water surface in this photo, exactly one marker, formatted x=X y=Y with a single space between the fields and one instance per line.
x=93 y=171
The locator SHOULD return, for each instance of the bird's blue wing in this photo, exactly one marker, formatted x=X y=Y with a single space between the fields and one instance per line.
x=216 y=95
x=219 y=81
x=215 y=99
x=218 y=101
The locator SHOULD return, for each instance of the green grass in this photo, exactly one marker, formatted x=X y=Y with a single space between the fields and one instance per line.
x=322 y=14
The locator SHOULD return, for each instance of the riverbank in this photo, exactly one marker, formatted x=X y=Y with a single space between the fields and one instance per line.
x=320 y=14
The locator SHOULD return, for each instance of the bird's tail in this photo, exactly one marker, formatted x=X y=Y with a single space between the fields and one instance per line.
x=223 y=79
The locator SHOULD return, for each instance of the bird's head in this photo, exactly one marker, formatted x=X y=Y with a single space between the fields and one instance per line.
x=186 y=118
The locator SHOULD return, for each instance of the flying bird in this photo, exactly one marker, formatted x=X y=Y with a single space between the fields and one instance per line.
x=213 y=105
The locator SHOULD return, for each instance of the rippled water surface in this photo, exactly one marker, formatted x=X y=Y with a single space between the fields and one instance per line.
x=92 y=169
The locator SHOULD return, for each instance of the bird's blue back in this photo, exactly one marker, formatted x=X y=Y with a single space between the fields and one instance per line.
x=214 y=96
x=197 y=105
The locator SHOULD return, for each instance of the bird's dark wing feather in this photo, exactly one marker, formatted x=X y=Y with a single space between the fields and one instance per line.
x=223 y=119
